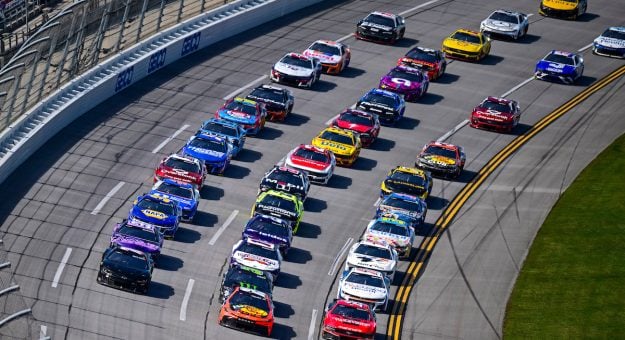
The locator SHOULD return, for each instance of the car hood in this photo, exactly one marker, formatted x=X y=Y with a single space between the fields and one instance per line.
x=411 y=213
x=307 y=164
x=610 y=42
x=378 y=26
x=501 y=25
x=388 y=82
x=337 y=148
x=135 y=243
x=205 y=155
x=392 y=239
x=364 y=291
x=275 y=211
x=555 y=67
x=492 y=114
x=437 y=159
x=124 y=270
x=351 y=325
x=263 y=236
x=375 y=107
x=559 y=4
x=324 y=57
x=371 y=262
x=152 y=216
x=355 y=127
x=293 y=70
x=179 y=174
x=462 y=45
x=237 y=116
x=255 y=261
x=184 y=203
x=282 y=186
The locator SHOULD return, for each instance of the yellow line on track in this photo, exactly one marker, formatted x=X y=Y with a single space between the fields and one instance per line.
x=395 y=324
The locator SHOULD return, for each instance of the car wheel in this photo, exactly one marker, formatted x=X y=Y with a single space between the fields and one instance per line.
x=525 y=31
x=401 y=34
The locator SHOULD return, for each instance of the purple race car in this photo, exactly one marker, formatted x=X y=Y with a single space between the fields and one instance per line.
x=409 y=81
x=138 y=235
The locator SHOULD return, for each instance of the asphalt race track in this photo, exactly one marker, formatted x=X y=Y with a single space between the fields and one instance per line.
x=49 y=202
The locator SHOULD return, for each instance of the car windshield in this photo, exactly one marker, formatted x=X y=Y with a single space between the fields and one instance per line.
x=496 y=106
x=175 y=190
x=470 y=38
x=279 y=202
x=357 y=119
x=140 y=233
x=335 y=137
x=380 y=20
x=505 y=17
x=390 y=228
x=440 y=151
x=559 y=59
x=248 y=109
x=243 y=299
x=406 y=177
x=399 y=203
x=380 y=99
x=148 y=203
x=220 y=129
x=351 y=312
x=312 y=155
x=325 y=49
x=269 y=228
x=254 y=249
x=209 y=144
x=182 y=165
x=422 y=55
x=241 y=277
x=285 y=176
x=416 y=76
x=269 y=94
x=128 y=259
x=614 y=34
x=366 y=249
x=297 y=62
x=365 y=279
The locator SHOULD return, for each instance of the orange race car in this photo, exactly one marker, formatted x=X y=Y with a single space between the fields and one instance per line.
x=247 y=309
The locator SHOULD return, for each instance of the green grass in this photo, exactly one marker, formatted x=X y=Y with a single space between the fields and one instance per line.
x=572 y=284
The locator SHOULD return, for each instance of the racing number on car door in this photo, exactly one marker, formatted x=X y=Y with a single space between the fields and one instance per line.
x=401 y=81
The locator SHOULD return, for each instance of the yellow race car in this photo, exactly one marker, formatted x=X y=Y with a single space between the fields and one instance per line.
x=565 y=9
x=345 y=144
x=466 y=44
x=406 y=180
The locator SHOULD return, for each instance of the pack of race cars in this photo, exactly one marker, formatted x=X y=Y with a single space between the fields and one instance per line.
x=256 y=259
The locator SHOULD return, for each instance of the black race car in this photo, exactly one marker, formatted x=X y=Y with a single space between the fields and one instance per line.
x=126 y=269
x=278 y=101
x=381 y=26
x=285 y=179
x=246 y=277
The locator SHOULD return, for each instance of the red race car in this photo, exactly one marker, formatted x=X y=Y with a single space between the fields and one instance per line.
x=247 y=309
x=365 y=123
x=181 y=168
x=431 y=61
x=249 y=114
x=348 y=320
x=318 y=163
x=497 y=114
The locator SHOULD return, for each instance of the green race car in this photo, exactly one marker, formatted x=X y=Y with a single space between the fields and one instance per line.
x=280 y=204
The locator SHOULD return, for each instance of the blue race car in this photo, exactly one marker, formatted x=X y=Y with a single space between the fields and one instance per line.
x=157 y=210
x=610 y=43
x=270 y=229
x=214 y=151
x=186 y=195
x=413 y=206
x=247 y=113
x=389 y=106
x=235 y=133
x=560 y=66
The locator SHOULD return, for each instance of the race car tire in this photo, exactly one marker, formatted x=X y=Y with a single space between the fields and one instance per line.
x=289 y=110
x=525 y=30
x=401 y=34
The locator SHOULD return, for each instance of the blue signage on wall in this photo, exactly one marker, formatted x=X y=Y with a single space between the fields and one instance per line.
x=190 y=43
x=157 y=60
x=124 y=78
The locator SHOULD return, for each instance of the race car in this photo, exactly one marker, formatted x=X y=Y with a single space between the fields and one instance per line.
x=393 y=230
x=282 y=205
x=344 y=144
x=257 y=254
x=382 y=27
x=428 y=60
x=405 y=180
x=286 y=179
x=413 y=206
x=186 y=195
x=440 y=158
x=348 y=320
x=496 y=113
x=564 y=9
x=247 y=309
x=318 y=163
x=157 y=210
x=271 y=230
x=467 y=45
x=334 y=56
x=278 y=101
x=366 y=286
x=560 y=66
x=389 y=106
x=296 y=69
x=246 y=277
x=366 y=124
x=373 y=253
x=407 y=81
x=215 y=152
x=245 y=112
x=181 y=168
x=610 y=43
x=233 y=132
x=126 y=268
x=144 y=237
x=505 y=23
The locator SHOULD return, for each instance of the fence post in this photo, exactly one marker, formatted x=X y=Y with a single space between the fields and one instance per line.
x=46 y=68
x=79 y=42
x=29 y=85
x=100 y=35
x=143 y=10
x=160 y=16
x=122 y=27
x=180 y=11
x=16 y=86
x=61 y=66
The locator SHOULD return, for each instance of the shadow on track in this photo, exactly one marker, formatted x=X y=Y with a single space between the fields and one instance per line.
x=364 y=164
x=315 y=205
x=436 y=203
x=382 y=144
x=308 y=230
x=269 y=133
x=160 y=290
x=249 y=156
x=430 y=98
x=169 y=263
x=295 y=119
x=339 y=182
x=185 y=235
x=407 y=123
x=447 y=78
x=236 y=172
x=211 y=193
x=351 y=72
x=297 y=255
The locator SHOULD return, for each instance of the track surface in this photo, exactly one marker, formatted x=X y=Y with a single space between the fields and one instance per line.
x=463 y=292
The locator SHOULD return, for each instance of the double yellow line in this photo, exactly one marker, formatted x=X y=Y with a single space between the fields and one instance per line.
x=416 y=267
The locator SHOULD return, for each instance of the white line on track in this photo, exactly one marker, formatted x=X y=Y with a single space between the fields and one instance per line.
x=345 y=37
x=452 y=131
x=377 y=202
x=223 y=227
x=585 y=48
x=241 y=89
x=518 y=86
x=338 y=257
x=59 y=270
x=106 y=198
x=313 y=322
x=185 y=300
x=42 y=333
x=170 y=138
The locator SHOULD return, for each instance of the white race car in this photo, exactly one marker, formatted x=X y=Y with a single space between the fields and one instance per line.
x=393 y=230
x=506 y=23
x=296 y=69
x=610 y=43
x=257 y=254
x=366 y=286
x=373 y=253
